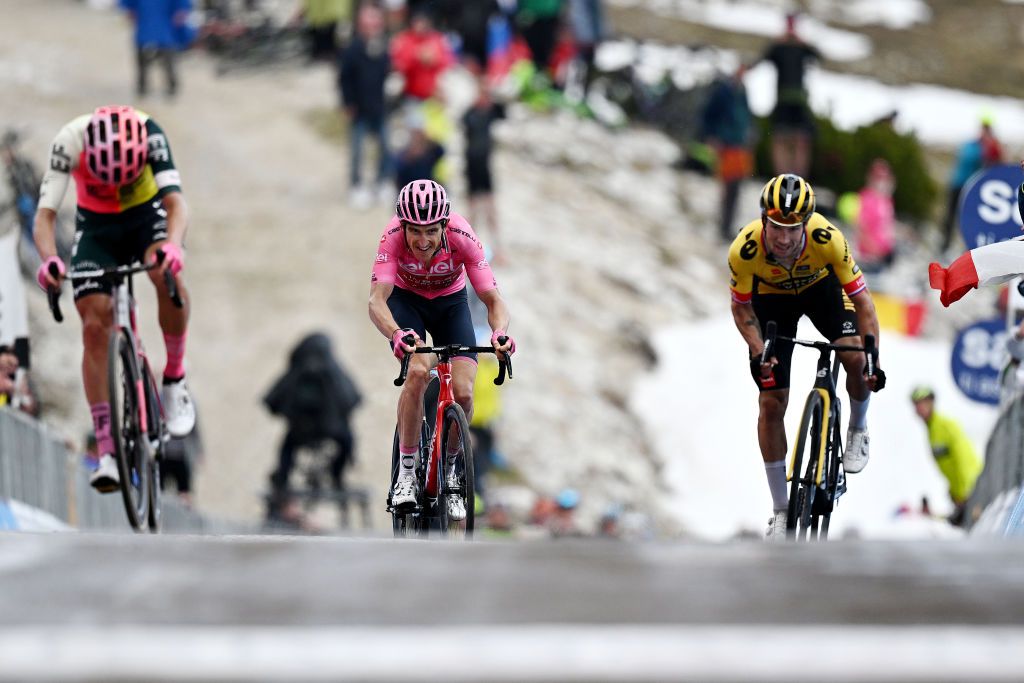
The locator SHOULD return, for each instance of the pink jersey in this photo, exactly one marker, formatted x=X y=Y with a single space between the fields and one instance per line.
x=397 y=265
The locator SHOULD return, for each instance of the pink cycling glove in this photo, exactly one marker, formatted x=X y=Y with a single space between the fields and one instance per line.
x=510 y=341
x=43 y=276
x=397 y=345
x=173 y=257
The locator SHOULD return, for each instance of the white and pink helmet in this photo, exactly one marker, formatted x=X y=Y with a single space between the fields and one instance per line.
x=422 y=202
x=115 y=144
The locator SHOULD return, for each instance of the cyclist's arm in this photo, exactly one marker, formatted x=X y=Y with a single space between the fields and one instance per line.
x=44 y=232
x=177 y=216
x=748 y=325
x=380 y=314
x=867 y=319
x=498 y=316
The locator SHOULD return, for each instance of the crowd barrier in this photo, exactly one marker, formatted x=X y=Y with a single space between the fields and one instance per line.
x=38 y=470
x=997 y=504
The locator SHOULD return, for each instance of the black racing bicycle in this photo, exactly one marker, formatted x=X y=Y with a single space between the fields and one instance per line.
x=444 y=467
x=136 y=413
x=813 y=495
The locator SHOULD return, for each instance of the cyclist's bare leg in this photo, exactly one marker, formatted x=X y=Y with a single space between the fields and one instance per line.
x=97 y=314
x=853 y=363
x=410 y=402
x=173 y=320
x=463 y=376
x=771 y=432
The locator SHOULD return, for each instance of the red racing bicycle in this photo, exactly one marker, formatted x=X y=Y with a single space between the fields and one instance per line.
x=444 y=467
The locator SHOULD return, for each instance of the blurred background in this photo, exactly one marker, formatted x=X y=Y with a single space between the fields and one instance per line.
x=606 y=153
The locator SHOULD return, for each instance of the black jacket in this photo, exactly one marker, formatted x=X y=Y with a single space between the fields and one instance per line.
x=362 y=70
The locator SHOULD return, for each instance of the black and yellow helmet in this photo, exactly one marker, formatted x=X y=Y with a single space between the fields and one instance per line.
x=787 y=200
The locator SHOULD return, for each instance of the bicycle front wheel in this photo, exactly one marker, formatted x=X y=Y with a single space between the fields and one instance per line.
x=455 y=475
x=157 y=433
x=130 y=445
x=800 y=522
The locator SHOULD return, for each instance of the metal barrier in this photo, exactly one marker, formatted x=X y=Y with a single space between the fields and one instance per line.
x=37 y=469
x=991 y=505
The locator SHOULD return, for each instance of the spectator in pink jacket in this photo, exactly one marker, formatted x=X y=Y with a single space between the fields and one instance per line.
x=876 y=240
x=421 y=54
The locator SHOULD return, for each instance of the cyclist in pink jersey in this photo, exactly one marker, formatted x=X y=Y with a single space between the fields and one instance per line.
x=419 y=286
x=129 y=205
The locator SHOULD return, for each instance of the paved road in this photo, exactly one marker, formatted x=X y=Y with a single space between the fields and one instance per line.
x=121 y=607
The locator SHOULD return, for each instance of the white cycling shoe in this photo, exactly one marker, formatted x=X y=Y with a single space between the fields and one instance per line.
x=403 y=493
x=106 y=478
x=179 y=411
x=456 y=506
x=855 y=457
x=776 y=532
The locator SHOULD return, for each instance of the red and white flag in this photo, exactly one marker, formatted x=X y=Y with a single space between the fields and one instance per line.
x=992 y=264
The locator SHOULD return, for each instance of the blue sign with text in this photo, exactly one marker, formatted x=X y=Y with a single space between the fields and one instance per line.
x=988 y=206
x=979 y=355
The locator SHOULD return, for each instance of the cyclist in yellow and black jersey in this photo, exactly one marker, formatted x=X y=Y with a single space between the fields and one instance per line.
x=789 y=263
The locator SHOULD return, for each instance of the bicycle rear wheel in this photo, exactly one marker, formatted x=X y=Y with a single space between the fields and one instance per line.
x=131 y=447
x=455 y=473
x=801 y=524
x=831 y=475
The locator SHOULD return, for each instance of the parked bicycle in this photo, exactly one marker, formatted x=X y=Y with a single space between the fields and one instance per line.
x=444 y=464
x=136 y=413
x=814 y=494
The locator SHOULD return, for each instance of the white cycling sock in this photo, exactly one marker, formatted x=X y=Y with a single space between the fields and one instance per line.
x=776 y=472
x=859 y=413
x=406 y=463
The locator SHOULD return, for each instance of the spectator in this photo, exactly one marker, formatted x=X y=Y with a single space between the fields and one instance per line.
x=8 y=368
x=727 y=126
x=420 y=157
x=317 y=397
x=477 y=122
x=562 y=523
x=791 y=120
x=13 y=304
x=321 y=19
x=158 y=24
x=586 y=19
x=954 y=454
x=181 y=455
x=876 y=241
x=421 y=54
x=979 y=153
x=470 y=21
x=363 y=69
x=539 y=22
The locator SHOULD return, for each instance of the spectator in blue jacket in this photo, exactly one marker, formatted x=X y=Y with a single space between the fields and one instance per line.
x=363 y=67
x=159 y=27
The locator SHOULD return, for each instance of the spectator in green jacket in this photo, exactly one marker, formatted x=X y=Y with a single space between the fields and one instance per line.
x=954 y=454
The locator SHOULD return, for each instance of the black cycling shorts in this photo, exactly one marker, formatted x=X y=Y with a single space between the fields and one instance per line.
x=446 y=318
x=107 y=240
x=825 y=303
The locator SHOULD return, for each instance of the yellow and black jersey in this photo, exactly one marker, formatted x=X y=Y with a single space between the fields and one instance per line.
x=825 y=250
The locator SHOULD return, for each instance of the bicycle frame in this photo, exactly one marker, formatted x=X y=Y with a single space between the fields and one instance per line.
x=445 y=397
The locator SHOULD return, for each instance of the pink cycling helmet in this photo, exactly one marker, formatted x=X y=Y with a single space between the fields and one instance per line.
x=422 y=202
x=115 y=145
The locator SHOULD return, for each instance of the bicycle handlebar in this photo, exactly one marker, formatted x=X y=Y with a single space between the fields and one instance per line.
x=772 y=336
x=115 y=273
x=504 y=366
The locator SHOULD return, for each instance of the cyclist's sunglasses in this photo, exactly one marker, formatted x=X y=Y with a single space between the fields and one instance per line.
x=786 y=219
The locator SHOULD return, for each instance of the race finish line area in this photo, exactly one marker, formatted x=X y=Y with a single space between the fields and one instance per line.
x=189 y=608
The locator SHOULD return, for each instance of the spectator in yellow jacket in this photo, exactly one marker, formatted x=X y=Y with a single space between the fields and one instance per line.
x=954 y=454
